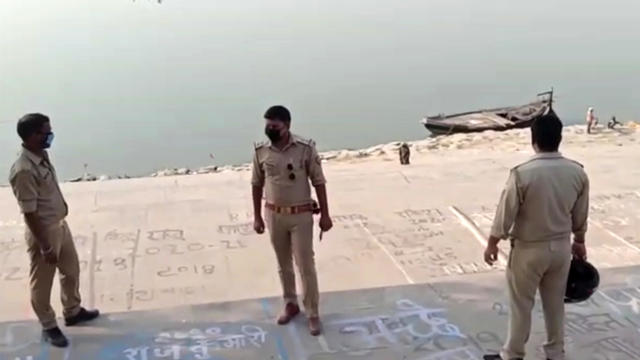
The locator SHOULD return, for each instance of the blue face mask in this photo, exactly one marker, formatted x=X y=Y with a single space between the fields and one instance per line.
x=48 y=140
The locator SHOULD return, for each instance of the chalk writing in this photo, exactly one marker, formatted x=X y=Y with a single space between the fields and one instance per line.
x=440 y=345
x=500 y=309
x=146 y=295
x=100 y=264
x=376 y=229
x=166 y=235
x=13 y=273
x=175 y=249
x=81 y=240
x=350 y=221
x=169 y=271
x=593 y=323
x=337 y=219
x=425 y=257
x=97 y=265
x=422 y=216
x=473 y=267
x=465 y=353
x=233 y=244
x=197 y=343
x=623 y=297
x=236 y=217
x=615 y=345
x=236 y=229
x=409 y=323
x=124 y=237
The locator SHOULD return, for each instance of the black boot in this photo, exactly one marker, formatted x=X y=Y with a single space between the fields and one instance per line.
x=83 y=316
x=55 y=337
x=496 y=357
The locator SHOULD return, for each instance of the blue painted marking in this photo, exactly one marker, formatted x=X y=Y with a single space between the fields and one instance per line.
x=67 y=351
x=266 y=309
x=44 y=350
x=282 y=350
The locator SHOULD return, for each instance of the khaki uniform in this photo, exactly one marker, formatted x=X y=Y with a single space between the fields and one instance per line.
x=291 y=235
x=546 y=199
x=36 y=188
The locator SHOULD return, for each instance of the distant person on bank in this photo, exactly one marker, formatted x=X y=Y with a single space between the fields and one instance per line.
x=49 y=241
x=592 y=120
x=405 y=154
x=613 y=123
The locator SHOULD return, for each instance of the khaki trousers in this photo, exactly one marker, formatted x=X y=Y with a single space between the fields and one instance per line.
x=41 y=275
x=292 y=237
x=543 y=266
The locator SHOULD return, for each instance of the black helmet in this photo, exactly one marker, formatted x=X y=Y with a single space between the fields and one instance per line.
x=583 y=281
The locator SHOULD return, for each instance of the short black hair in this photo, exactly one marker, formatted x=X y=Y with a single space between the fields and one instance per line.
x=279 y=113
x=31 y=124
x=546 y=132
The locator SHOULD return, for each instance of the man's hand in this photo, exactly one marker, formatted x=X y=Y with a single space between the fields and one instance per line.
x=491 y=254
x=325 y=223
x=49 y=255
x=258 y=225
x=579 y=250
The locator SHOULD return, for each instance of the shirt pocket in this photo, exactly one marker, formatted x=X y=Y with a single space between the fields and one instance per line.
x=299 y=170
x=48 y=186
x=271 y=169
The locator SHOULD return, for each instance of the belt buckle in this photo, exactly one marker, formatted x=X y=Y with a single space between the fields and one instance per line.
x=288 y=210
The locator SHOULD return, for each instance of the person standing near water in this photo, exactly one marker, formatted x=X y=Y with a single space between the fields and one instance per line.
x=282 y=168
x=49 y=241
x=546 y=199
x=405 y=153
x=592 y=120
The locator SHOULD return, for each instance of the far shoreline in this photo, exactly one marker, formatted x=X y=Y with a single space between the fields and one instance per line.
x=518 y=137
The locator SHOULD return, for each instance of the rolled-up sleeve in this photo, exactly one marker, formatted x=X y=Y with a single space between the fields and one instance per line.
x=580 y=211
x=315 y=168
x=257 y=176
x=25 y=189
x=507 y=208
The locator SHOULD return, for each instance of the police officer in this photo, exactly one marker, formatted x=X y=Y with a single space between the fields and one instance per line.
x=49 y=242
x=283 y=167
x=546 y=199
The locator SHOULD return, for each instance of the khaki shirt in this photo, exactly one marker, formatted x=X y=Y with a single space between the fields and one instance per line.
x=271 y=171
x=35 y=186
x=545 y=199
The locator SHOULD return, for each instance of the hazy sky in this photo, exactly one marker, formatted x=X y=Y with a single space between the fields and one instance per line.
x=135 y=86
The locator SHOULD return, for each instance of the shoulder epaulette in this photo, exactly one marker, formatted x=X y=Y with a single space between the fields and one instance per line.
x=522 y=164
x=260 y=144
x=303 y=141
x=577 y=163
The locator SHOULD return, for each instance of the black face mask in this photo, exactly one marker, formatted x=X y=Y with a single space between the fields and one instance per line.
x=273 y=134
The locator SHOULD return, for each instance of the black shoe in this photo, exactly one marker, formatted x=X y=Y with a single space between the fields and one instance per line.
x=496 y=357
x=83 y=316
x=55 y=337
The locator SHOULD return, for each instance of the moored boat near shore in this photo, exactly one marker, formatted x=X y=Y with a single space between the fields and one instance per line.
x=498 y=119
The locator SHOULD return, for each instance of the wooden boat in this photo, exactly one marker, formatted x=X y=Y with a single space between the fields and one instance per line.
x=499 y=119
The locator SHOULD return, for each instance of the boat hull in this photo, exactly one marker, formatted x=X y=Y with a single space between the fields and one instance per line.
x=499 y=119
